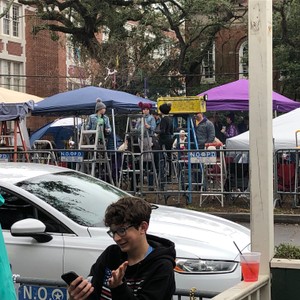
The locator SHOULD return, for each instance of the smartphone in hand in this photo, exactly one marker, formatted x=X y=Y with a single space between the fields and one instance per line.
x=69 y=277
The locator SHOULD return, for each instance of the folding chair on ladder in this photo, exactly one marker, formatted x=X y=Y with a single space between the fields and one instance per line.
x=95 y=156
x=43 y=152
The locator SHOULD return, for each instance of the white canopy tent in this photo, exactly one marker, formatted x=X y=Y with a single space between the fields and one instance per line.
x=14 y=104
x=284 y=133
x=11 y=96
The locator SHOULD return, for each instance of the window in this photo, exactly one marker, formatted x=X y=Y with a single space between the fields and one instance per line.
x=243 y=60
x=12 y=71
x=15 y=208
x=208 y=65
x=16 y=22
x=6 y=22
x=16 y=78
x=11 y=20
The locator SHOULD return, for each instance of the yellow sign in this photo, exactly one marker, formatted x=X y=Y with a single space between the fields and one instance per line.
x=184 y=105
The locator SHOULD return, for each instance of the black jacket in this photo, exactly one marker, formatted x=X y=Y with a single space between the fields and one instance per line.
x=150 y=279
x=166 y=132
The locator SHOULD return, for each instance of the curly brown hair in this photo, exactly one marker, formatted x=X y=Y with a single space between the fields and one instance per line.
x=128 y=210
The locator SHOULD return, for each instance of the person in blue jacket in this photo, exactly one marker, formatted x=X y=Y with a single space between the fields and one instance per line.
x=99 y=118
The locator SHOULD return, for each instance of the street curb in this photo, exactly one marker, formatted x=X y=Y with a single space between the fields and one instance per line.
x=245 y=217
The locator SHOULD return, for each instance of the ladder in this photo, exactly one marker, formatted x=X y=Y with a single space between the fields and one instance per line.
x=9 y=139
x=191 y=168
x=137 y=160
x=95 y=154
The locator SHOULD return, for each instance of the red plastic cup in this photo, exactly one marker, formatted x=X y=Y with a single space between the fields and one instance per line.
x=250 y=266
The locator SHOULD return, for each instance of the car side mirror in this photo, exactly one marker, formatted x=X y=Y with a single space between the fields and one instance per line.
x=31 y=227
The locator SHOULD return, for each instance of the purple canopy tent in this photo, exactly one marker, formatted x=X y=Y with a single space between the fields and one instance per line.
x=235 y=96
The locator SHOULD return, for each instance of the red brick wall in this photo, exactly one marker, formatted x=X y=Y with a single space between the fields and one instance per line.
x=14 y=48
x=45 y=61
x=228 y=42
x=45 y=67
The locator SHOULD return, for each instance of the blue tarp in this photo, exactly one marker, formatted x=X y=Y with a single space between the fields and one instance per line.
x=57 y=131
x=12 y=111
x=82 y=101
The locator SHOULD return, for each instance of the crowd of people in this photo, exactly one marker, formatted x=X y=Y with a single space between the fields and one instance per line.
x=161 y=133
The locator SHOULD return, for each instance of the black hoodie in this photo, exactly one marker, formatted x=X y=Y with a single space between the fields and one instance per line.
x=150 y=279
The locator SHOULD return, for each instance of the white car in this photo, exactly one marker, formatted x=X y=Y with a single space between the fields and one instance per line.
x=52 y=222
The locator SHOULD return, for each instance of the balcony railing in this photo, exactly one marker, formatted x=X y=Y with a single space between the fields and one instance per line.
x=245 y=290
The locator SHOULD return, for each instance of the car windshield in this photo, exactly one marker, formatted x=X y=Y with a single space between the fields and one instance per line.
x=80 y=197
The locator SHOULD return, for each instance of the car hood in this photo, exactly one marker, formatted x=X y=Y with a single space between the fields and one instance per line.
x=197 y=234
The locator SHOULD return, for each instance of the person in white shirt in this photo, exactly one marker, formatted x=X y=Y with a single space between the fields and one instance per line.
x=181 y=141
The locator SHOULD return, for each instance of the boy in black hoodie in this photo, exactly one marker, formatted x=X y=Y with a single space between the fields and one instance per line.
x=139 y=266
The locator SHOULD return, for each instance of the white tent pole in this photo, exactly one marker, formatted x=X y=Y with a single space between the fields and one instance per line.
x=115 y=142
x=114 y=128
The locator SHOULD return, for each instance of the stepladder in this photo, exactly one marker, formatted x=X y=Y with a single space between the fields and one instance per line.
x=137 y=163
x=12 y=139
x=96 y=160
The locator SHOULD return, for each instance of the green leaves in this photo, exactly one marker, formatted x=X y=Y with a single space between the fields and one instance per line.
x=286 y=46
x=164 y=40
x=287 y=251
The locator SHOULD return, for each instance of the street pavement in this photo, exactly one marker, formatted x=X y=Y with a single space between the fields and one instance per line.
x=284 y=233
x=286 y=227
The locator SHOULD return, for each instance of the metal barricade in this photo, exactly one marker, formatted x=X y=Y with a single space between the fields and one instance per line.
x=178 y=177
x=286 y=176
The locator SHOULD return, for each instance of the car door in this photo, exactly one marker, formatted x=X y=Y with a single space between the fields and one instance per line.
x=28 y=257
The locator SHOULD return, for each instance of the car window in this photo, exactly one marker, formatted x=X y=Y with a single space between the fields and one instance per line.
x=82 y=198
x=15 y=208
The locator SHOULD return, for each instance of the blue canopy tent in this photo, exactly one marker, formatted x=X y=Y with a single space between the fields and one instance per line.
x=82 y=102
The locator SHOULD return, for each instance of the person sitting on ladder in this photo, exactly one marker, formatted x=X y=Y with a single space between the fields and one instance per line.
x=99 y=118
x=146 y=126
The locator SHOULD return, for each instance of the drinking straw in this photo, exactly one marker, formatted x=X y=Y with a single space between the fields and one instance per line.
x=237 y=248
x=242 y=255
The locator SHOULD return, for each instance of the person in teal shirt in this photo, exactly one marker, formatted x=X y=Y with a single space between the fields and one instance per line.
x=7 y=290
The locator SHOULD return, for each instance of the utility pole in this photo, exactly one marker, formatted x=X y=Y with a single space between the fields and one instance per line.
x=261 y=140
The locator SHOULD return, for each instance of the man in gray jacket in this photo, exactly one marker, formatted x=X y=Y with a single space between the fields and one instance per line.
x=204 y=129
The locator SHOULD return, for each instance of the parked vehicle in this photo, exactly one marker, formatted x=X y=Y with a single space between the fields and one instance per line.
x=52 y=223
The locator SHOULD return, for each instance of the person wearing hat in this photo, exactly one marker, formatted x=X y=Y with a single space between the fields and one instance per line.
x=166 y=127
x=147 y=125
x=165 y=133
x=148 y=121
x=99 y=119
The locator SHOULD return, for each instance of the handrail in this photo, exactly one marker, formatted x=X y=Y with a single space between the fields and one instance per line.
x=243 y=290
